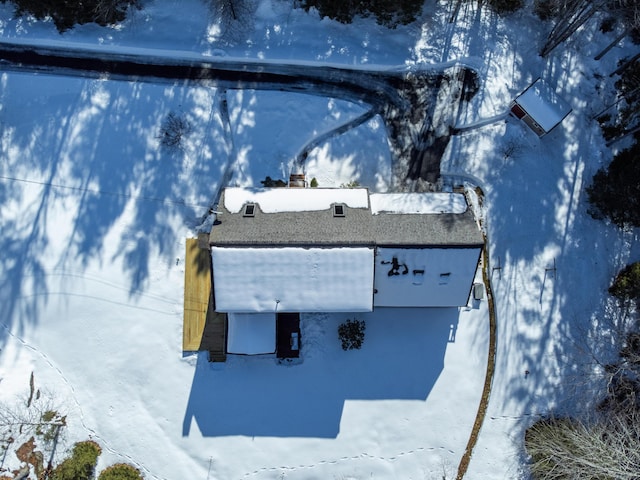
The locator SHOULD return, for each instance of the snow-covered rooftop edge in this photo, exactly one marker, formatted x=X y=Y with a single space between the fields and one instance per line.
x=417 y=203
x=277 y=200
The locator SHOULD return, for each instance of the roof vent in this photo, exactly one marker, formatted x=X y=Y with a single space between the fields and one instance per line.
x=338 y=210
x=249 y=210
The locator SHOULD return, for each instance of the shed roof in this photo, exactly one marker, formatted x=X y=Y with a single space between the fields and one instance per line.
x=543 y=104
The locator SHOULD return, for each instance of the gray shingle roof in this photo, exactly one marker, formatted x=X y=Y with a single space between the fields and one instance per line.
x=442 y=229
x=357 y=228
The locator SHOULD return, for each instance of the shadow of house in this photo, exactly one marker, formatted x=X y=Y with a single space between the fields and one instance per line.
x=258 y=397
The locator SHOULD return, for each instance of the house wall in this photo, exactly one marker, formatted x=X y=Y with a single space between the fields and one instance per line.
x=533 y=125
x=445 y=281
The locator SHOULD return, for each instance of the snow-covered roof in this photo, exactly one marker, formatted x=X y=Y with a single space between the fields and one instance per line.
x=251 y=333
x=274 y=200
x=424 y=203
x=292 y=279
x=544 y=105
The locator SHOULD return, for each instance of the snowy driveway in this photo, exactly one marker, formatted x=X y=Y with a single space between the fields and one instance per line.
x=420 y=105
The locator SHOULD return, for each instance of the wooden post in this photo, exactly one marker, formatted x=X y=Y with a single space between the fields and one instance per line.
x=498 y=268
x=551 y=269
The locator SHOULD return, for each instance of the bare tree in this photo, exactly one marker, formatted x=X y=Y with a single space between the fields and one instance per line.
x=572 y=14
x=107 y=11
x=562 y=448
x=232 y=16
x=34 y=414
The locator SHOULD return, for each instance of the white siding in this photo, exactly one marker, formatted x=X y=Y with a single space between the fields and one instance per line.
x=446 y=280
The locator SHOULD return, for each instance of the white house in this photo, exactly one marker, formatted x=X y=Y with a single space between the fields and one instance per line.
x=540 y=108
x=336 y=250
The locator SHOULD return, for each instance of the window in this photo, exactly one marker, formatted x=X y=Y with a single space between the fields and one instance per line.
x=249 y=210
x=338 y=210
x=444 y=278
x=418 y=276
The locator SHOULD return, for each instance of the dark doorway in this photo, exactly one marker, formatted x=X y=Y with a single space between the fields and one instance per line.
x=288 y=335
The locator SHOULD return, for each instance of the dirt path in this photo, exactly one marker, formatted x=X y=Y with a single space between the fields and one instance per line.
x=491 y=364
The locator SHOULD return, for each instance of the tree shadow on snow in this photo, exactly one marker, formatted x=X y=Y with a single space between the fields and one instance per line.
x=89 y=148
x=401 y=358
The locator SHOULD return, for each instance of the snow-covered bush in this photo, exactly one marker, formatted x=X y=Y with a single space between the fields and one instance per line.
x=351 y=334
x=386 y=13
x=351 y=184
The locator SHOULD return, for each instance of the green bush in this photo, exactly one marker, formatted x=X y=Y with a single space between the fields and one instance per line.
x=545 y=9
x=314 y=183
x=626 y=286
x=81 y=464
x=615 y=191
x=505 y=6
x=120 y=471
x=65 y=14
x=269 y=182
x=351 y=334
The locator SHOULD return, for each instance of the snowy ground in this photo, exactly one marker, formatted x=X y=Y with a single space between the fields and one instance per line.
x=93 y=217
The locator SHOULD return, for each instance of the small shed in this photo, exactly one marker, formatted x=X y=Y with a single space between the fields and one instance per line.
x=540 y=108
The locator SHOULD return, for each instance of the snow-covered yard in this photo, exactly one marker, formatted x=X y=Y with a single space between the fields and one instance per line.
x=94 y=216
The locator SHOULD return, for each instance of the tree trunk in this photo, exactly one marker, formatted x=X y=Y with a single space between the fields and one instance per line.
x=572 y=19
x=625 y=65
x=611 y=45
x=454 y=15
x=623 y=136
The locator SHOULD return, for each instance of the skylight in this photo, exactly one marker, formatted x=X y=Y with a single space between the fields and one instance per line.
x=249 y=210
